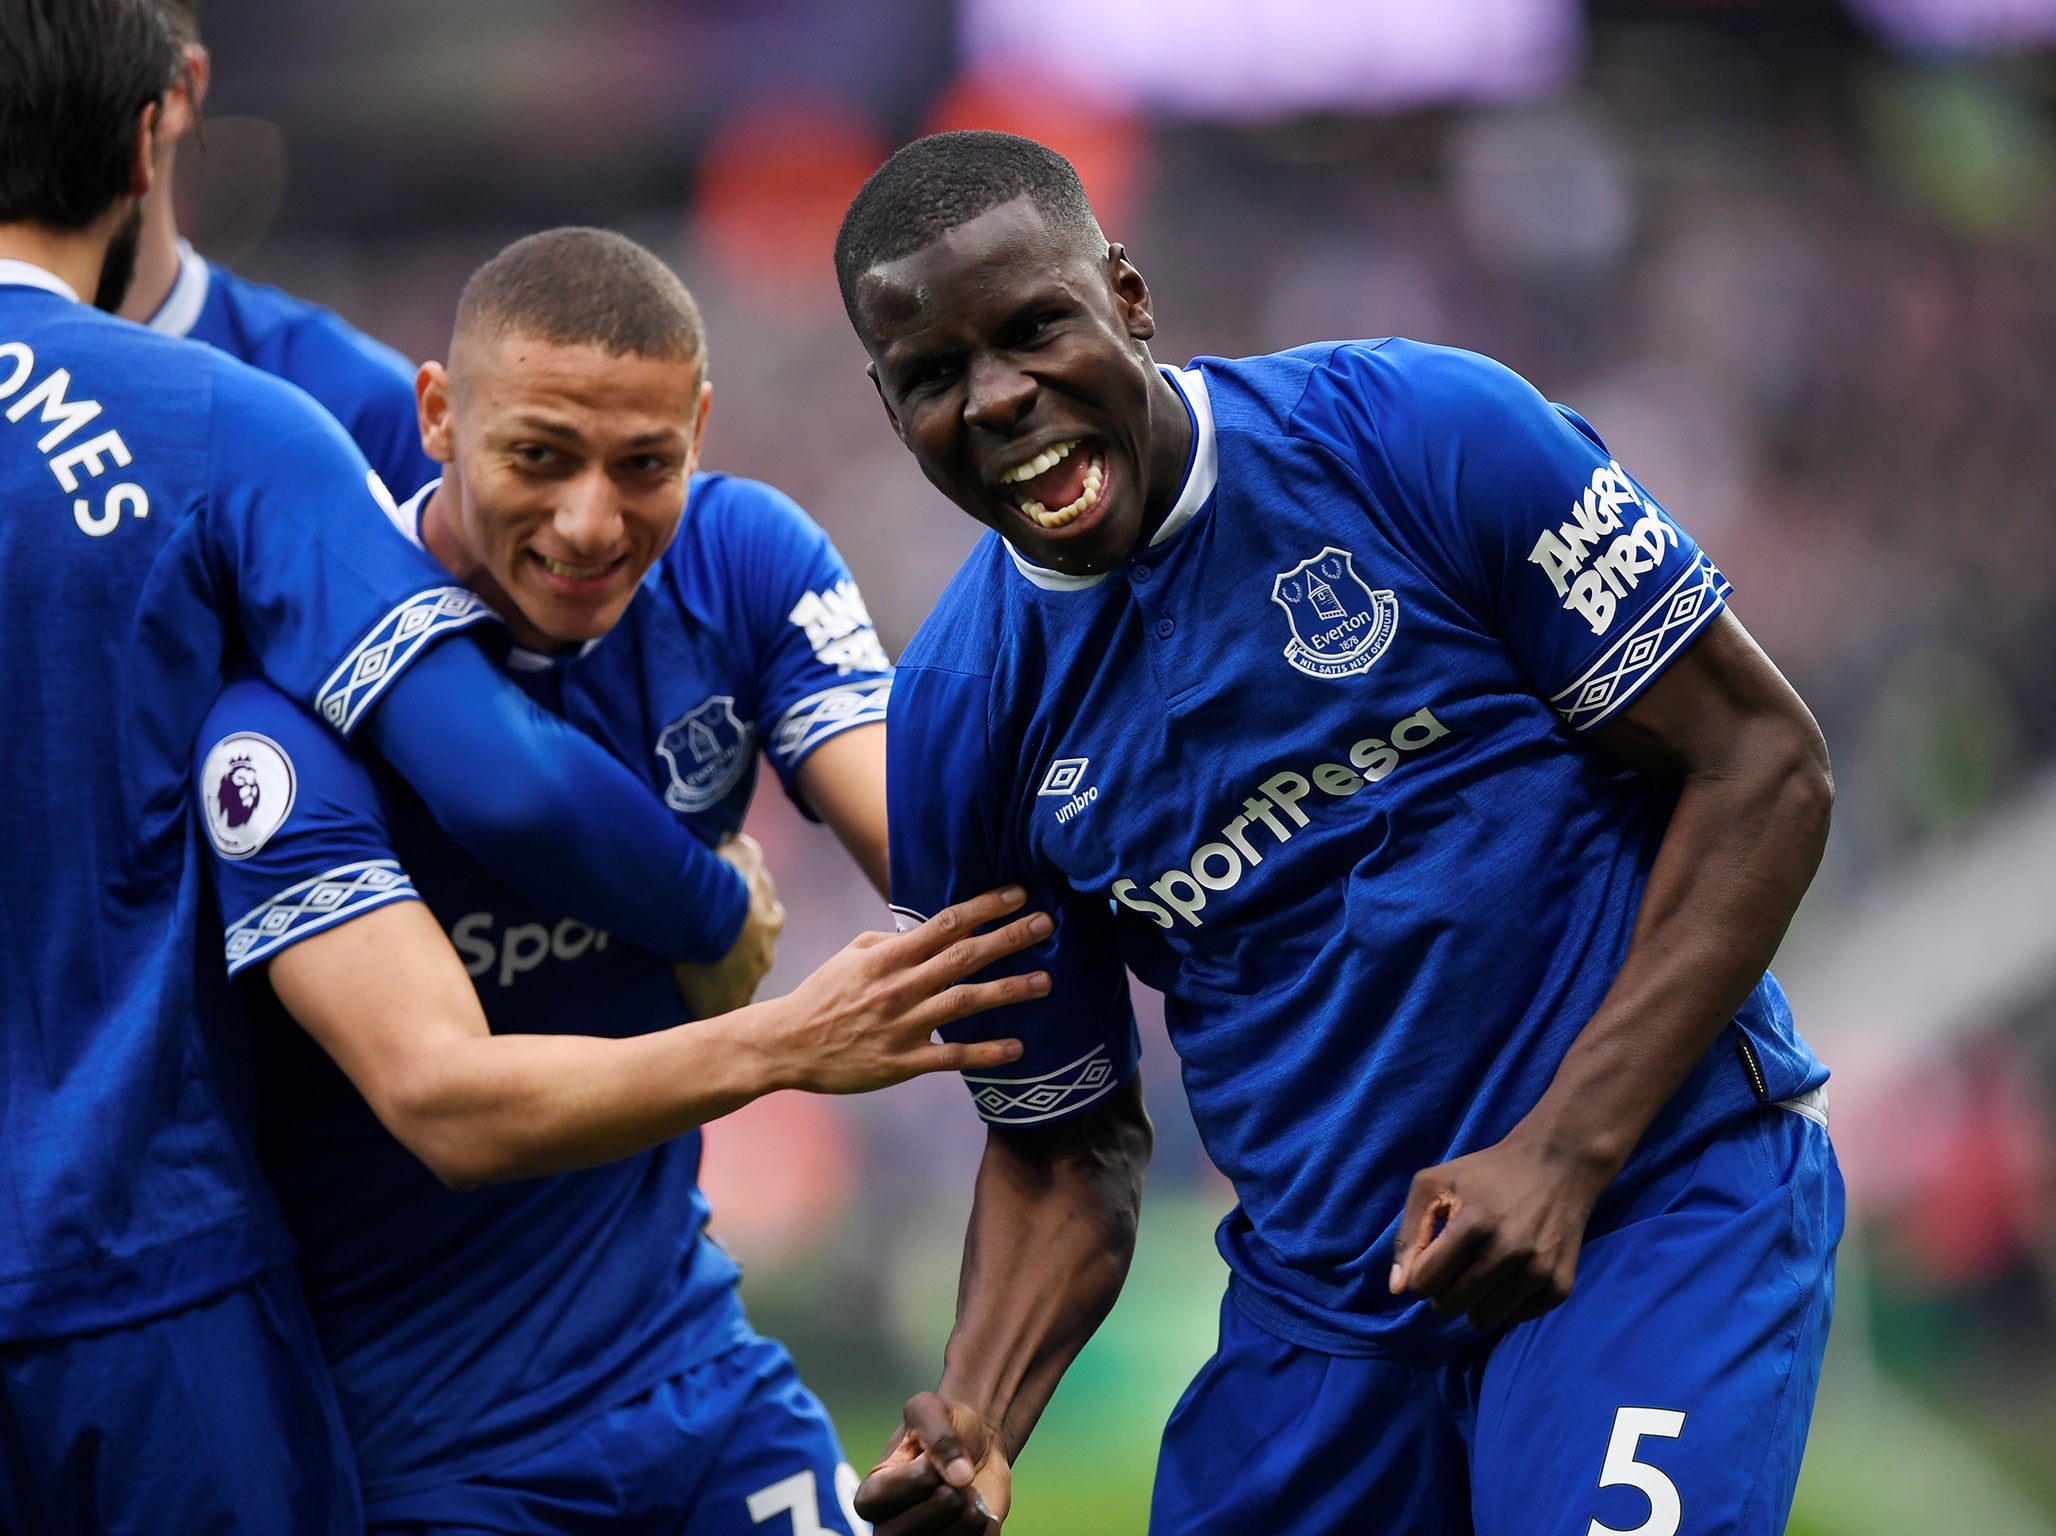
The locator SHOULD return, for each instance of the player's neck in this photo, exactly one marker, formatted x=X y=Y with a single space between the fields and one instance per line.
x=1170 y=445
x=75 y=255
x=157 y=257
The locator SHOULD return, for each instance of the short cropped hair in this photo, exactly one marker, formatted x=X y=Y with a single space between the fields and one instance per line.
x=933 y=185
x=185 y=15
x=583 y=287
x=74 y=74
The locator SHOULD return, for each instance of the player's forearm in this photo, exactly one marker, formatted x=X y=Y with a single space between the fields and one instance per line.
x=1052 y=1232
x=546 y=809
x=515 y=1106
x=1741 y=848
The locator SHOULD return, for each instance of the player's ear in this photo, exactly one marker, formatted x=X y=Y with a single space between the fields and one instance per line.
x=699 y=424
x=898 y=430
x=199 y=74
x=143 y=152
x=433 y=414
x=1131 y=293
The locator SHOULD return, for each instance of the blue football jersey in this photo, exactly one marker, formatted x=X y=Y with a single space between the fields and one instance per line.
x=164 y=503
x=364 y=384
x=1309 y=764
x=463 y=1328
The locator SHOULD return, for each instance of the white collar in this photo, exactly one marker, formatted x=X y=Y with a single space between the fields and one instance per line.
x=180 y=311
x=26 y=274
x=407 y=518
x=1200 y=475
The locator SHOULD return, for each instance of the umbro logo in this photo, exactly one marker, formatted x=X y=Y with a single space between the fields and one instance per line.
x=1064 y=775
x=1063 y=778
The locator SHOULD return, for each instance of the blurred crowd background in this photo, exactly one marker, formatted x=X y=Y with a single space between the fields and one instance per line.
x=1796 y=261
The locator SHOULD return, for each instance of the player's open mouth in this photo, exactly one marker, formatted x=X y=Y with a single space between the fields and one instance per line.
x=1060 y=484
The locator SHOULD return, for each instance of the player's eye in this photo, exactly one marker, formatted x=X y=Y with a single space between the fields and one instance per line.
x=535 y=455
x=928 y=376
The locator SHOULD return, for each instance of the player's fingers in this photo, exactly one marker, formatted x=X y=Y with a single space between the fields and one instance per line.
x=1447 y=1257
x=962 y=920
x=894 y=1507
x=960 y=1002
x=971 y=954
x=1428 y=1201
x=1547 y=1298
x=928 y=1418
x=972 y=1056
x=1494 y=1267
x=895 y=1489
x=1504 y=1296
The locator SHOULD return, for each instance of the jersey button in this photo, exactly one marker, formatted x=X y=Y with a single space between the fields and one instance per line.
x=1140 y=573
x=1165 y=628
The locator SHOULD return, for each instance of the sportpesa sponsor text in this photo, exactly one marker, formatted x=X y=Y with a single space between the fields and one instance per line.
x=1275 y=806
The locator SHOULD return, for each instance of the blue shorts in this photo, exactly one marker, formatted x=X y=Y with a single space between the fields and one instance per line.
x=1671 y=1392
x=735 y=1447
x=219 y=1419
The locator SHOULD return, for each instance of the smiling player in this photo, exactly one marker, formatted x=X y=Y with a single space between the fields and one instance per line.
x=564 y=1348
x=1358 y=701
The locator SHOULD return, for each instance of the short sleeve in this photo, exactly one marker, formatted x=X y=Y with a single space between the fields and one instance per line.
x=334 y=601
x=1589 y=581
x=369 y=388
x=820 y=669
x=296 y=831
x=947 y=812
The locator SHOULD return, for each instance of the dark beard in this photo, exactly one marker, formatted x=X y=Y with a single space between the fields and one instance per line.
x=119 y=268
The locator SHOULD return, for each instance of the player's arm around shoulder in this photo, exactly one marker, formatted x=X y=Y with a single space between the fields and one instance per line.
x=313 y=893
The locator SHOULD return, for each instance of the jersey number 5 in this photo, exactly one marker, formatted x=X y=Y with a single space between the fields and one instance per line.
x=1629 y=1426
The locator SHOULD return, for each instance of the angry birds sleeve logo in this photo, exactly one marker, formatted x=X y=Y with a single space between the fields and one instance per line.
x=248 y=787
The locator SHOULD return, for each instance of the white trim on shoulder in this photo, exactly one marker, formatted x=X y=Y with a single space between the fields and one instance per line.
x=830 y=712
x=332 y=897
x=180 y=311
x=1200 y=477
x=394 y=641
x=26 y=274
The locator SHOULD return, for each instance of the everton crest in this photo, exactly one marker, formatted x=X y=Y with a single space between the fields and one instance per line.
x=1340 y=627
x=707 y=750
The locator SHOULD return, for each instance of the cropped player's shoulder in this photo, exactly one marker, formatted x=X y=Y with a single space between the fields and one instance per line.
x=290 y=335
x=962 y=631
x=736 y=507
x=261 y=410
x=1292 y=389
x=251 y=702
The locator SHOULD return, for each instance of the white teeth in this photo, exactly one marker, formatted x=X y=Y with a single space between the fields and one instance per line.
x=1088 y=498
x=1043 y=462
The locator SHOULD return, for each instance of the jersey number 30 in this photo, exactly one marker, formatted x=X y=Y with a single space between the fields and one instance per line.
x=1629 y=1426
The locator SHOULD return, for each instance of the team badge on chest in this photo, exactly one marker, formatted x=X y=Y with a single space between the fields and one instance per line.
x=707 y=750
x=1340 y=627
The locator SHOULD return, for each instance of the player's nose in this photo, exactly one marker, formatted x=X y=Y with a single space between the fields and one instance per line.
x=589 y=516
x=997 y=394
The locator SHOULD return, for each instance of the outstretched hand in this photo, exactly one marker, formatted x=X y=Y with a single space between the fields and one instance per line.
x=864 y=1020
x=945 y=1474
x=1494 y=1236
